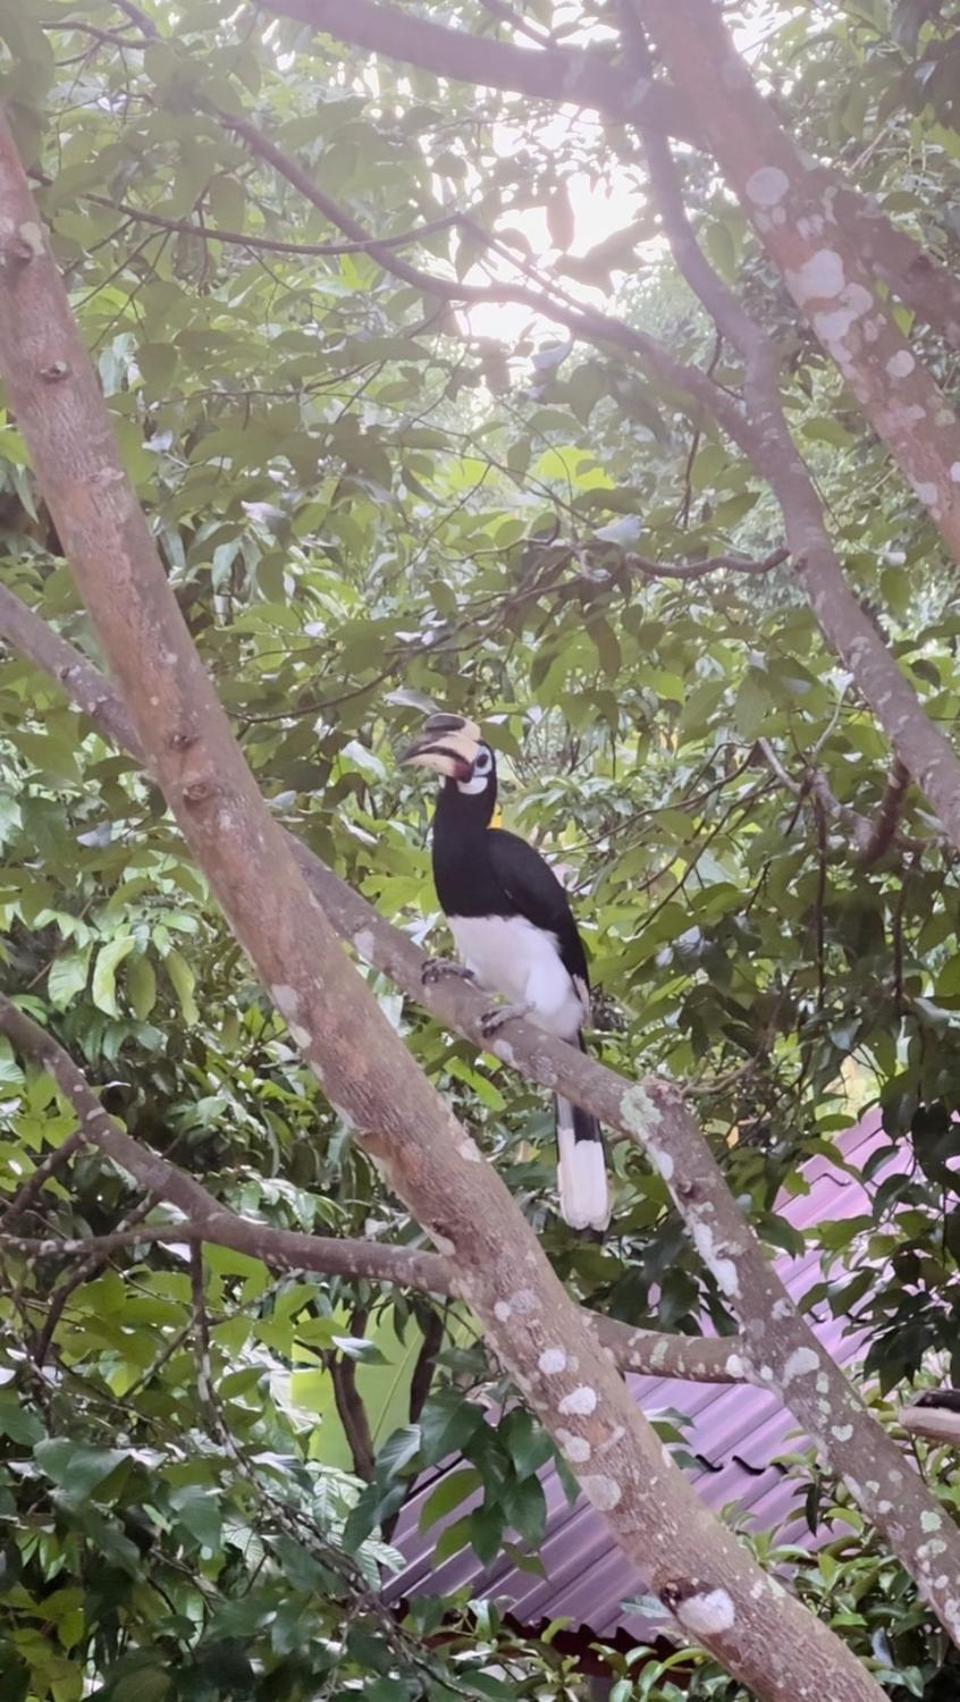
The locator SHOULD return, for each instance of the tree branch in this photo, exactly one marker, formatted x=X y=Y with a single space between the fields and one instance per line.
x=872 y=837
x=763 y=434
x=656 y=1116
x=795 y=219
x=350 y=1408
x=587 y=323
x=883 y=828
x=931 y=289
x=571 y=75
x=648 y=1352
x=275 y=244
x=763 y=1637
x=690 y=571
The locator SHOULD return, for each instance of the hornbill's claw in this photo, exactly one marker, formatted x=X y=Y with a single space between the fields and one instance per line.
x=438 y=968
x=494 y=1019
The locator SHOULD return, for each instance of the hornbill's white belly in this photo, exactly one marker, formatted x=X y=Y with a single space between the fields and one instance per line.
x=510 y=956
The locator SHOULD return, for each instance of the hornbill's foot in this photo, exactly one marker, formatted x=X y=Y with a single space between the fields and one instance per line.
x=439 y=968
x=493 y=1020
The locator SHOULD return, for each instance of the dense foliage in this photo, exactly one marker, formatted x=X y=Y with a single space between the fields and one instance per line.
x=373 y=503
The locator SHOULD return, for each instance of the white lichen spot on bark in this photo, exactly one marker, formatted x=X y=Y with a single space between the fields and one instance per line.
x=842 y=1432
x=707 y=1614
x=503 y=1049
x=661 y=1161
x=604 y=1492
x=926 y=491
x=525 y=1302
x=801 y=1362
x=580 y=1402
x=736 y=1366
x=469 y=1151
x=286 y=999
x=820 y=278
x=930 y=1521
x=364 y=941
x=639 y=1112
x=955 y=472
x=767 y=186
x=901 y=364
x=552 y=1361
x=576 y=1449
x=724 y=1270
x=32 y=235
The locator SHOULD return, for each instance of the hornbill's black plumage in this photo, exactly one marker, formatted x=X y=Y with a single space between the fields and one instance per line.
x=515 y=933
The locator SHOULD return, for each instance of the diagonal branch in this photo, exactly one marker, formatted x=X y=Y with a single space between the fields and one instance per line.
x=587 y=323
x=427 y=1157
x=694 y=570
x=883 y=828
x=577 y=77
x=276 y=244
x=571 y=75
x=763 y=433
x=647 y=1352
x=776 y=1340
x=795 y=219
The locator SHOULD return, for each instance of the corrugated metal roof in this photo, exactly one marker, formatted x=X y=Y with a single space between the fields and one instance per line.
x=737 y=1428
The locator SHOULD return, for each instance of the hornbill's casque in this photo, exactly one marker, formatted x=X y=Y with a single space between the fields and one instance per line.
x=515 y=932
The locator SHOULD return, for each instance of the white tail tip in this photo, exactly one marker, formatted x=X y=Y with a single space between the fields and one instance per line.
x=582 y=1182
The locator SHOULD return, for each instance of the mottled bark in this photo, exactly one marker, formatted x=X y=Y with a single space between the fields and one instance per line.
x=572 y=76
x=714 y=1587
x=760 y=429
x=699 y=1192
x=697 y=1359
x=796 y=218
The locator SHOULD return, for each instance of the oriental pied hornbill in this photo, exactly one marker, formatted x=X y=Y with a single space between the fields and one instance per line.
x=515 y=932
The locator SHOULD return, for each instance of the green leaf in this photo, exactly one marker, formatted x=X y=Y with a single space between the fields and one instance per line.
x=752 y=708
x=183 y=981
x=452 y=1540
x=525 y=1506
x=140 y=983
x=527 y=1443
x=450 y=1491
x=198 y=1510
x=109 y=958
x=17 y=1420
x=67 y=977
x=77 y=1469
x=448 y=1427
x=486 y=1532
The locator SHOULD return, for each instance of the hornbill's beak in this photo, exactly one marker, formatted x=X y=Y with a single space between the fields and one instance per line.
x=448 y=744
